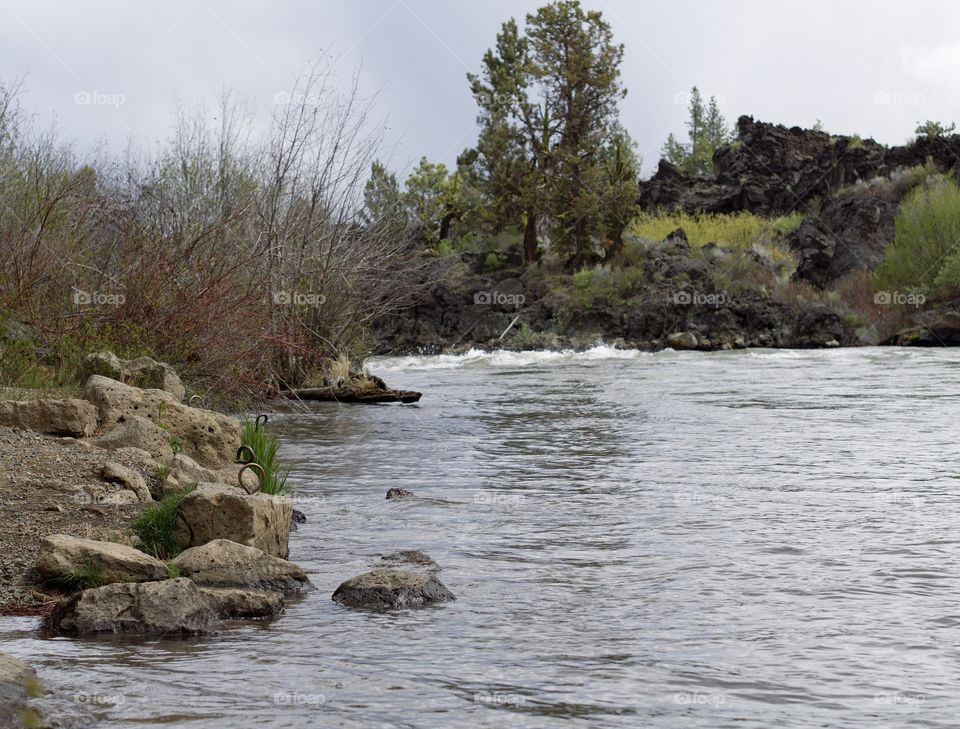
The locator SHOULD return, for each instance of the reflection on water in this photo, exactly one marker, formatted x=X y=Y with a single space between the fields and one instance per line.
x=747 y=539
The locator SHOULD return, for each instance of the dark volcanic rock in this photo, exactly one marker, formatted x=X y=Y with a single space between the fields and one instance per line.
x=385 y=589
x=940 y=329
x=400 y=494
x=819 y=326
x=849 y=233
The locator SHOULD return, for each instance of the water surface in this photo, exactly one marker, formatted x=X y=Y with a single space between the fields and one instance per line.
x=746 y=539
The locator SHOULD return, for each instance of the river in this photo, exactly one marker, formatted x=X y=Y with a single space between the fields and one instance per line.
x=745 y=539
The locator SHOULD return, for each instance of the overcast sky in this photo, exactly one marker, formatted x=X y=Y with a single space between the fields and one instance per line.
x=113 y=69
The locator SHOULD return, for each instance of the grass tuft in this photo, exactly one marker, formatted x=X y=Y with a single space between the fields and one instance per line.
x=79 y=578
x=156 y=527
x=265 y=446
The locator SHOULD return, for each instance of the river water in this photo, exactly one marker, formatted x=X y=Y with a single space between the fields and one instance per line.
x=745 y=539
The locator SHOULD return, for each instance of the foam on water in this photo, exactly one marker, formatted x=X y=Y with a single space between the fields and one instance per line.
x=503 y=358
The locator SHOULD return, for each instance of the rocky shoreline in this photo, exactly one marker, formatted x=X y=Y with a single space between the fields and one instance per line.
x=81 y=476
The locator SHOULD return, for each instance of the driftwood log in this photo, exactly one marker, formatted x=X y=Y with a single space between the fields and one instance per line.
x=346 y=394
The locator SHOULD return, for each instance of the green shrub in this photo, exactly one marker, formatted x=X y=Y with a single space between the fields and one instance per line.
x=925 y=254
x=735 y=230
x=79 y=578
x=156 y=527
x=265 y=446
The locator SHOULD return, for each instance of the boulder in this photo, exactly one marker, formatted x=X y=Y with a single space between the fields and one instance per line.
x=937 y=329
x=140 y=372
x=185 y=472
x=412 y=557
x=210 y=438
x=18 y=683
x=171 y=608
x=385 y=589
x=217 y=511
x=222 y=563
x=60 y=554
x=400 y=494
x=682 y=340
x=819 y=326
x=73 y=417
x=138 y=432
x=233 y=603
x=127 y=477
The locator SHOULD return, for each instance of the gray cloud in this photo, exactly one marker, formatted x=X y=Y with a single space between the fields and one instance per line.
x=868 y=68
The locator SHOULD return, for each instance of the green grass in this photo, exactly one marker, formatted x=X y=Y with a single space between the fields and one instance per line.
x=735 y=230
x=79 y=578
x=156 y=527
x=925 y=255
x=265 y=446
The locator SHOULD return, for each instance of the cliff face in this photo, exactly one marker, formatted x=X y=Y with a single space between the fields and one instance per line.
x=772 y=170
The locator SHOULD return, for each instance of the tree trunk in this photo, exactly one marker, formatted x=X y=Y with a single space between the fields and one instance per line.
x=531 y=247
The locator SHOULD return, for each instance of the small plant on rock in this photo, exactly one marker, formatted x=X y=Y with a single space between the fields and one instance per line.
x=79 y=578
x=156 y=527
x=265 y=446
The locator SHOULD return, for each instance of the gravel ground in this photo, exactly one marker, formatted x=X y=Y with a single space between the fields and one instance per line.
x=48 y=486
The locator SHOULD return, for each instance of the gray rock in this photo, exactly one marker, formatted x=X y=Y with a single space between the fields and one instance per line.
x=385 y=589
x=171 y=608
x=73 y=417
x=60 y=554
x=682 y=340
x=133 y=481
x=229 y=602
x=18 y=683
x=222 y=563
x=140 y=372
x=400 y=494
x=138 y=432
x=217 y=511
x=210 y=438
x=412 y=557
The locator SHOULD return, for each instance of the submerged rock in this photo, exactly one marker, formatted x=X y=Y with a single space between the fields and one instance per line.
x=18 y=683
x=413 y=557
x=385 y=589
x=73 y=417
x=222 y=563
x=216 y=511
x=229 y=602
x=62 y=554
x=171 y=608
x=400 y=494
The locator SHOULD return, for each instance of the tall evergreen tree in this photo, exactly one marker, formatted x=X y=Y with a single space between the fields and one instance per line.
x=706 y=131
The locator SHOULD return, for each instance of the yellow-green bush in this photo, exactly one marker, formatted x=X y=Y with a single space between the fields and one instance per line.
x=735 y=230
x=925 y=254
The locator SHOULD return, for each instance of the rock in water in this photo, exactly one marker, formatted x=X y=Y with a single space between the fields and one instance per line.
x=61 y=554
x=216 y=511
x=18 y=682
x=232 y=603
x=386 y=589
x=222 y=563
x=413 y=557
x=400 y=494
x=171 y=608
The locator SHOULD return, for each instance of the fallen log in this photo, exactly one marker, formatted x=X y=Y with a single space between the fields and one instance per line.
x=346 y=394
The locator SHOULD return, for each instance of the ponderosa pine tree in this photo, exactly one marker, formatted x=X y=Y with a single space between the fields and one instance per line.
x=548 y=101
x=706 y=131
